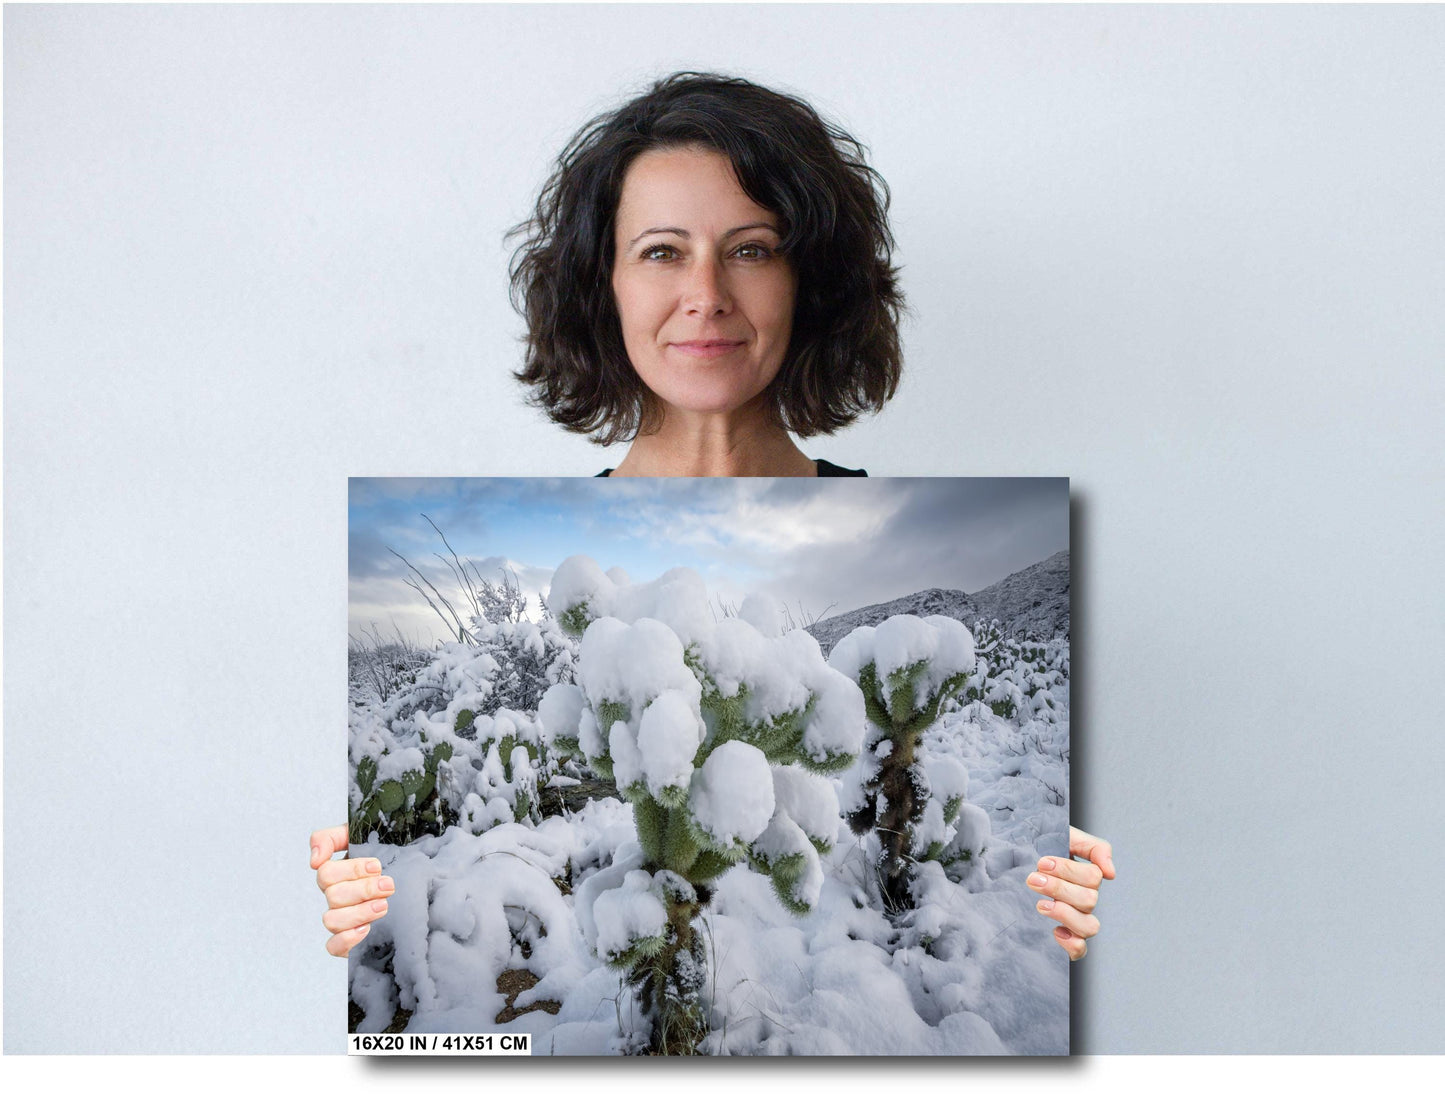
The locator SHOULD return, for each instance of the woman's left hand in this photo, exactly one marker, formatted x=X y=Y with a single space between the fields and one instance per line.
x=1071 y=889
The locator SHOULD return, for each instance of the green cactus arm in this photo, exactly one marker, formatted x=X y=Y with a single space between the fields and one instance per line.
x=642 y=950
x=576 y=618
x=680 y=846
x=723 y=717
x=786 y=873
x=607 y=713
x=734 y=853
x=602 y=767
x=828 y=765
x=929 y=713
x=709 y=864
x=781 y=737
x=566 y=746
x=902 y=686
x=872 y=706
x=674 y=797
x=651 y=820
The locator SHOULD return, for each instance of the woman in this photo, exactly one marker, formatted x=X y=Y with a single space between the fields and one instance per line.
x=706 y=275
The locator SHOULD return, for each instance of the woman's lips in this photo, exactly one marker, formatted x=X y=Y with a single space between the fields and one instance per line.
x=706 y=348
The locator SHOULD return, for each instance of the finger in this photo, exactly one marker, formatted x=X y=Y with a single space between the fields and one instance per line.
x=1093 y=849
x=1076 y=947
x=349 y=917
x=346 y=940
x=1082 y=899
x=1082 y=925
x=326 y=842
x=350 y=892
x=336 y=870
x=1075 y=871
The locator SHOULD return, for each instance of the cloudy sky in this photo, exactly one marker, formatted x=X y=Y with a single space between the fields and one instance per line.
x=822 y=546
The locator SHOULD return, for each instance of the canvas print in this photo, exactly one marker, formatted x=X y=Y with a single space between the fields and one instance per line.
x=712 y=766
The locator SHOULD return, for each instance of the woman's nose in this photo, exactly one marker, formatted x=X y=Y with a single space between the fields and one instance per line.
x=707 y=290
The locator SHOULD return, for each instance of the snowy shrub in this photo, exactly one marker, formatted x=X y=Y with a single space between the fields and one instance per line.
x=377 y=668
x=718 y=735
x=907 y=668
x=497 y=602
x=502 y=665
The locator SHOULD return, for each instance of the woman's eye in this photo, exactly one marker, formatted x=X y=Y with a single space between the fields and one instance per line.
x=753 y=251
x=659 y=253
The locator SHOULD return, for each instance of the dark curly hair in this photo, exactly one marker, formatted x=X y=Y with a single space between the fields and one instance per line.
x=844 y=355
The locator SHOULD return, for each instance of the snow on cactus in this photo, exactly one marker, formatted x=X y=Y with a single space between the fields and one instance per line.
x=907 y=668
x=1016 y=677
x=720 y=738
x=443 y=749
x=1025 y=683
x=422 y=775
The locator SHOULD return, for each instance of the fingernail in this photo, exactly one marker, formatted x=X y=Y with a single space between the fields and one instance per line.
x=315 y=852
x=373 y=866
x=362 y=931
x=386 y=884
x=379 y=906
x=1046 y=864
x=1061 y=933
x=1046 y=904
x=1038 y=881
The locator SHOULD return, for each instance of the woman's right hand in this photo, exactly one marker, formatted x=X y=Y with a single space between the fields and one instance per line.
x=356 y=890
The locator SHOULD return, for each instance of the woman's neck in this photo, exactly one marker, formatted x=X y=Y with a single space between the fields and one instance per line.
x=732 y=445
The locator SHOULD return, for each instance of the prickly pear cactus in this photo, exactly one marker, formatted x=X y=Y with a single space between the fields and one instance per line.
x=447 y=749
x=427 y=773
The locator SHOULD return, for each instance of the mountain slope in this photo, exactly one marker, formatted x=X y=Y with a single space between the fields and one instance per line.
x=1033 y=600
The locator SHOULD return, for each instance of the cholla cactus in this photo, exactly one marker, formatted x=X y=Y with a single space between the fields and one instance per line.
x=717 y=734
x=1016 y=677
x=907 y=668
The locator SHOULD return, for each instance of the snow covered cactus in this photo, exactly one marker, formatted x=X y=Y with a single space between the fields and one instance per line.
x=1016 y=677
x=719 y=735
x=906 y=667
x=424 y=774
x=444 y=749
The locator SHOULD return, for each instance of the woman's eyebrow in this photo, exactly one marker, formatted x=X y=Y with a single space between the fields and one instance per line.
x=682 y=233
x=660 y=229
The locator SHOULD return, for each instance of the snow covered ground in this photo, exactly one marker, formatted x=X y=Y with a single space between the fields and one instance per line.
x=970 y=968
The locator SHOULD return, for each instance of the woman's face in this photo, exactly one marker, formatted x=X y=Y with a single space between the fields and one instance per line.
x=705 y=299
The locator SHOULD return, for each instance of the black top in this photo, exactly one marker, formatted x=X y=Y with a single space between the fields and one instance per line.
x=825 y=470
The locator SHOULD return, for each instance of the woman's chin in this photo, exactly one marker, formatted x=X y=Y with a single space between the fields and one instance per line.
x=684 y=402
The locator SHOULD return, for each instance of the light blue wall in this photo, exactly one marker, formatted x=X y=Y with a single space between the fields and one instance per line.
x=1193 y=258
